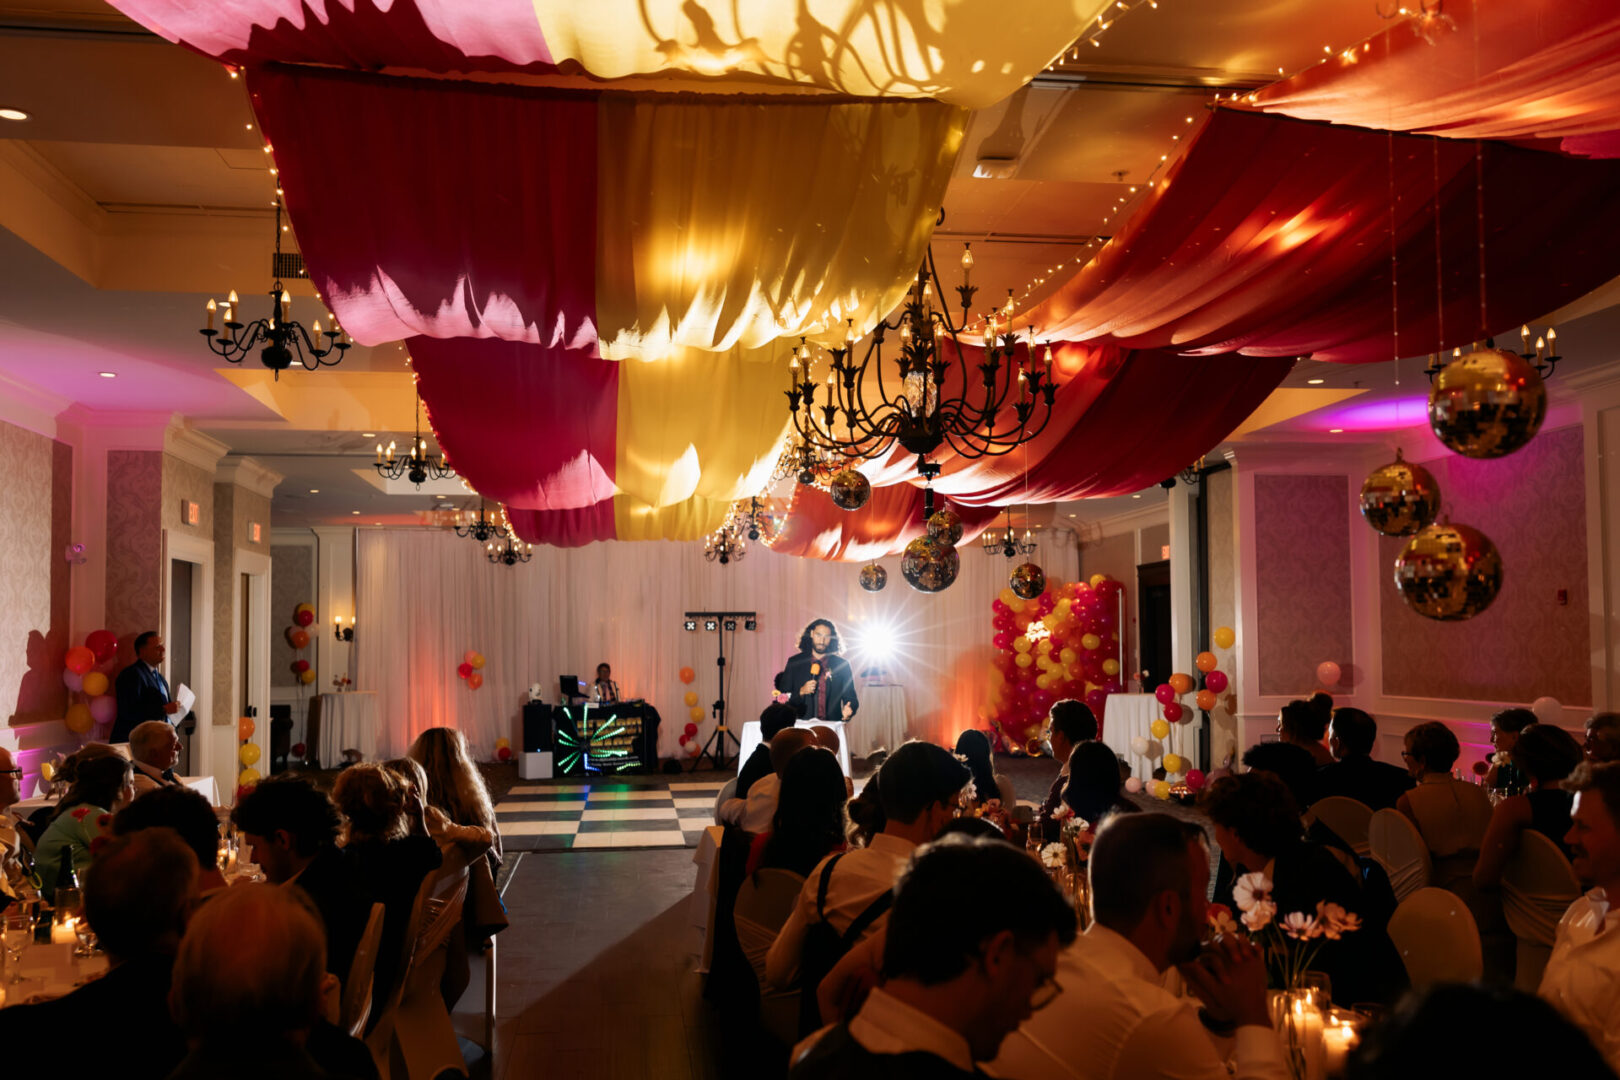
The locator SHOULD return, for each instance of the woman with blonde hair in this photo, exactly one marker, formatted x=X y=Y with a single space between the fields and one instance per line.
x=439 y=825
x=454 y=784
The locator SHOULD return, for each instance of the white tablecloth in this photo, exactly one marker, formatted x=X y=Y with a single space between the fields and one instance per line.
x=707 y=859
x=881 y=721
x=203 y=785
x=348 y=722
x=751 y=738
x=49 y=971
x=1129 y=715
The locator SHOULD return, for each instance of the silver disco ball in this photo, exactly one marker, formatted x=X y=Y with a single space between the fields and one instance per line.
x=928 y=565
x=874 y=577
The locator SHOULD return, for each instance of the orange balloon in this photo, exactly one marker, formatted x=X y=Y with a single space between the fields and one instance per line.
x=1206 y=700
x=691 y=698
x=687 y=674
x=80 y=660
x=244 y=728
x=475 y=680
x=1206 y=662
x=1181 y=683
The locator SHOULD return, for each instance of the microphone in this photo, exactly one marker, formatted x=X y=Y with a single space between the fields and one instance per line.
x=815 y=669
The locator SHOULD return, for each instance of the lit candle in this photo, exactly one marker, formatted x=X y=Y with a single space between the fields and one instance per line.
x=1307 y=1021
x=1552 y=341
x=62 y=931
x=379 y=453
x=317 y=330
x=1337 y=1042
x=212 y=307
x=286 y=305
x=967 y=264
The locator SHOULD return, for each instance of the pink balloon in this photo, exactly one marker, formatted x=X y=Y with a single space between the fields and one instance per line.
x=1165 y=693
x=1216 y=681
x=73 y=680
x=1327 y=673
x=104 y=709
x=467 y=657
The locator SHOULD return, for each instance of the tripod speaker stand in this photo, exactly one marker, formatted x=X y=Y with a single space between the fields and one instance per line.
x=724 y=622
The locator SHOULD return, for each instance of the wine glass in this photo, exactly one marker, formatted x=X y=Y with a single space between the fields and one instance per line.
x=18 y=931
x=86 y=936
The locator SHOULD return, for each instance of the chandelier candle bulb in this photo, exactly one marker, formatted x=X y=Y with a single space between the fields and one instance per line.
x=212 y=307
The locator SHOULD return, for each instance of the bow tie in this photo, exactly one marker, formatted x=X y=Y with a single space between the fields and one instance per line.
x=168 y=774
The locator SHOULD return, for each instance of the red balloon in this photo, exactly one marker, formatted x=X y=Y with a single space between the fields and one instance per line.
x=1097 y=700
x=1000 y=608
x=1481 y=768
x=1113 y=686
x=691 y=729
x=1216 y=681
x=1025 y=687
x=300 y=666
x=298 y=749
x=1003 y=641
x=1041 y=699
x=1165 y=693
x=303 y=618
x=684 y=737
x=1173 y=712
x=464 y=669
x=504 y=753
x=1002 y=622
x=104 y=643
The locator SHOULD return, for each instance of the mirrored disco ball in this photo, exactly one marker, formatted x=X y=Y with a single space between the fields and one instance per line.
x=874 y=577
x=928 y=565
x=849 y=488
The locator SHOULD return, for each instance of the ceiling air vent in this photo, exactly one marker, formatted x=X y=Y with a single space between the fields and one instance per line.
x=288 y=264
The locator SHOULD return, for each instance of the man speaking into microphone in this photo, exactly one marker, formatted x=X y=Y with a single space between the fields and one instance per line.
x=818 y=681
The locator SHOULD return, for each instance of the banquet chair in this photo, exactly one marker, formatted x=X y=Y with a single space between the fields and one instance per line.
x=357 y=984
x=1398 y=847
x=1347 y=818
x=1538 y=885
x=413 y=1036
x=727 y=792
x=763 y=904
x=1437 y=938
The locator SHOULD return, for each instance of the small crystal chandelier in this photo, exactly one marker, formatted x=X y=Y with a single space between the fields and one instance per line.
x=988 y=410
x=725 y=545
x=509 y=552
x=286 y=342
x=1008 y=544
x=483 y=527
x=415 y=466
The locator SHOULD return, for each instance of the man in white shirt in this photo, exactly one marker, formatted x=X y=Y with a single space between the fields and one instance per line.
x=756 y=813
x=154 y=747
x=1582 y=978
x=918 y=786
x=959 y=974
x=1117 y=1017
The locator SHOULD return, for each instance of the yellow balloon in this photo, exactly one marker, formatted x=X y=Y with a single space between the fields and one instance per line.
x=1175 y=763
x=691 y=698
x=1110 y=667
x=48 y=771
x=307 y=677
x=1091 y=641
x=249 y=753
x=1043 y=646
x=477 y=661
x=1023 y=644
x=1098 y=579
x=301 y=608
x=696 y=714
x=1225 y=638
x=1009 y=598
x=1023 y=660
x=1043 y=681
x=1068 y=656
x=247 y=777
x=1161 y=789
x=78 y=719
x=95 y=683
x=1160 y=728
x=996 y=677
x=502 y=742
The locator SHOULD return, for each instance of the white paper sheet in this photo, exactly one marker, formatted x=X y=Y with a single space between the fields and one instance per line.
x=184 y=696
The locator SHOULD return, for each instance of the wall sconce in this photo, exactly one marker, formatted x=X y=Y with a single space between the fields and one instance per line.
x=341 y=632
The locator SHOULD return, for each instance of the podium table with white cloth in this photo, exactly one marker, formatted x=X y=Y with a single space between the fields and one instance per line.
x=1129 y=715
x=881 y=723
x=346 y=721
x=751 y=738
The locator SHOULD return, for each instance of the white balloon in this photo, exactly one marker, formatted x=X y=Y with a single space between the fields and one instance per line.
x=1139 y=746
x=1547 y=710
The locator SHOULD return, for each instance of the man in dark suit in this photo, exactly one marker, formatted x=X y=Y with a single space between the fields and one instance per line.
x=819 y=682
x=1353 y=772
x=143 y=693
x=776 y=717
x=1072 y=723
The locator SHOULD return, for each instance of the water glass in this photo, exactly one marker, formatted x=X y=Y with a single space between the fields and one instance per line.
x=18 y=932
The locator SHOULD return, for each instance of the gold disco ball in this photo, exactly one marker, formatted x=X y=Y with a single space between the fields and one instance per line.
x=874 y=577
x=928 y=565
x=945 y=527
x=1400 y=498
x=1449 y=572
x=1487 y=403
x=849 y=488
x=1028 y=580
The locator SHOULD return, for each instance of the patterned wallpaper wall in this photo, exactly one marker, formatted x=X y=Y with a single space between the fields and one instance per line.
x=1220 y=498
x=292 y=582
x=1302 y=578
x=36 y=510
x=185 y=482
x=134 y=544
x=1533 y=507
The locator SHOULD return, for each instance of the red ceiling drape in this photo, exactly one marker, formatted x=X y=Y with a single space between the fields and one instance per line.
x=1272 y=237
x=1515 y=70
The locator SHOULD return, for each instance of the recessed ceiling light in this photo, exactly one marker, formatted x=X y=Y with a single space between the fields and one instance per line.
x=108 y=374
x=354 y=512
x=1071 y=515
x=1335 y=431
x=1136 y=496
x=314 y=491
x=12 y=114
x=368 y=434
x=1315 y=382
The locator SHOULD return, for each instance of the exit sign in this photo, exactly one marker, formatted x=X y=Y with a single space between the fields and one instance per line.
x=1164 y=551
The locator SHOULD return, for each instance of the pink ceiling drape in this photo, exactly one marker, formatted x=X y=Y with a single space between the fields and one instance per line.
x=1271 y=237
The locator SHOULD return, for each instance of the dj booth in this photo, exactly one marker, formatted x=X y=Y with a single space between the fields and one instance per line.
x=593 y=738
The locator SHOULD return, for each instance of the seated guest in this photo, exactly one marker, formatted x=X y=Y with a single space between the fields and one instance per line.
x=1258 y=830
x=1353 y=773
x=1070 y=723
x=776 y=717
x=1505 y=728
x=1545 y=755
x=100 y=786
x=193 y=820
x=291 y=829
x=1291 y=764
x=14 y=883
x=389 y=853
x=137 y=896
x=827 y=738
x=1451 y=814
x=973 y=747
x=809 y=821
x=959 y=975
x=257 y=1015
x=918 y=786
x=153 y=749
x=755 y=813
x=1418 y=1040
x=1304 y=724
x=455 y=787
x=865 y=814
x=474 y=837
x=1119 y=1016
x=1093 y=791
x=1602 y=738
x=1584 y=968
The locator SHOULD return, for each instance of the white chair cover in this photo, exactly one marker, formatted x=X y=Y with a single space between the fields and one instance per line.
x=1538 y=886
x=1347 y=817
x=1395 y=842
x=729 y=790
x=1437 y=938
x=763 y=904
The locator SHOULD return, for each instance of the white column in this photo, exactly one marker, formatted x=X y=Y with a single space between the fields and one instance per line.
x=1184 y=555
x=334 y=592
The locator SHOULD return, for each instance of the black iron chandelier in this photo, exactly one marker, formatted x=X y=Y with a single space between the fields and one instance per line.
x=415 y=466
x=286 y=342
x=1008 y=544
x=481 y=528
x=725 y=545
x=509 y=552
x=926 y=413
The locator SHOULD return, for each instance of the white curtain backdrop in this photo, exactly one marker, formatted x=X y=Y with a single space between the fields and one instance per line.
x=426 y=597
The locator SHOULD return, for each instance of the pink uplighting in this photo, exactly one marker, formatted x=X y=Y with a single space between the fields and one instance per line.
x=1387 y=415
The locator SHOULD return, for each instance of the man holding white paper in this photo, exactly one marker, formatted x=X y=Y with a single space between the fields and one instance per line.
x=143 y=693
x=819 y=682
